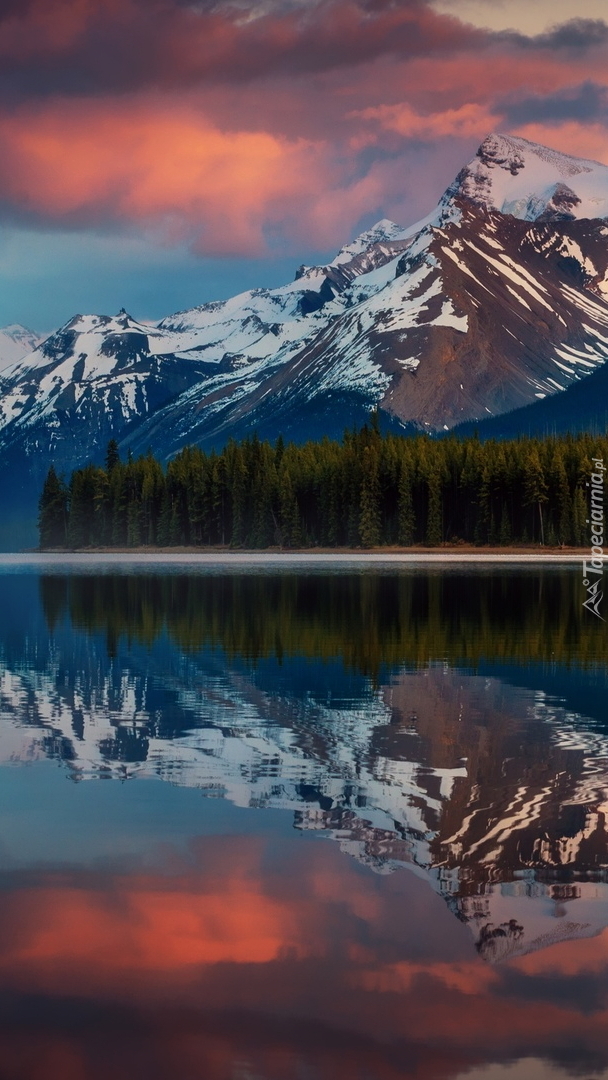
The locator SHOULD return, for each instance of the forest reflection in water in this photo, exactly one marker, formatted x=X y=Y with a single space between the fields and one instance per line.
x=367 y=619
x=447 y=731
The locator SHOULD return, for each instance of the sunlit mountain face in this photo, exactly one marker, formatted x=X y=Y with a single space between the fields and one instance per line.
x=277 y=825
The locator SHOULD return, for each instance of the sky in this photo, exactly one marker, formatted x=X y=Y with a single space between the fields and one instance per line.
x=156 y=154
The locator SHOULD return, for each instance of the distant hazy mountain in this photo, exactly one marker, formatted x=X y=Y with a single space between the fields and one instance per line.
x=16 y=341
x=495 y=301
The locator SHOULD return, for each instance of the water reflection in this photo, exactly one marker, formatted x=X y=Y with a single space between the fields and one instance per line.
x=367 y=620
x=453 y=725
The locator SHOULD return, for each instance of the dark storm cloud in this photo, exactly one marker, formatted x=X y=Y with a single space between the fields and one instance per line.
x=587 y=103
x=96 y=47
x=576 y=35
x=106 y=46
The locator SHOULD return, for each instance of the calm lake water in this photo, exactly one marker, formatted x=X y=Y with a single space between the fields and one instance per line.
x=302 y=826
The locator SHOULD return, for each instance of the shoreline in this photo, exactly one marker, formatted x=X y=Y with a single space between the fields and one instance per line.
x=325 y=557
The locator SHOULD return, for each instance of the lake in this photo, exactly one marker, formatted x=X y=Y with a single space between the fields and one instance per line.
x=301 y=825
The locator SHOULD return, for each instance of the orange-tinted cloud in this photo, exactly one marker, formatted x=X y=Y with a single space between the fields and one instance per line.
x=469 y=120
x=225 y=910
x=240 y=128
x=159 y=929
x=152 y=164
x=580 y=139
x=578 y=957
x=229 y=960
x=165 y=166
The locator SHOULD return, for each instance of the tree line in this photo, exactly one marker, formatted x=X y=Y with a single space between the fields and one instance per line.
x=369 y=490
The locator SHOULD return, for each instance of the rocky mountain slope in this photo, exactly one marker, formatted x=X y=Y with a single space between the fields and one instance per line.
x=497 y=300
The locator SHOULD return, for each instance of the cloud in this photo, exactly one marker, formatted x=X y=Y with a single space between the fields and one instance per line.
x=226 y=905
x=240 y=128
x=469 y=120
x=164 y=167
x=160 y=165
x=569 y=958
x=584 y=103
x=578 y=34
x=529 y=18
x=101 y=46
x=293 y=962
x=588 y=141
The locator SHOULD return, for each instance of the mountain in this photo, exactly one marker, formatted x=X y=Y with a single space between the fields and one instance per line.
x=532 y=182
x=492 y=791
x=495 y=301
x=16 y=341
x=583 y=408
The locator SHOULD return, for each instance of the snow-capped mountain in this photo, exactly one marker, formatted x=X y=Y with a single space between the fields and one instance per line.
x=420 y=772
x=531 y=182
x=100 y=377
x=498 y=299
x=16 y=341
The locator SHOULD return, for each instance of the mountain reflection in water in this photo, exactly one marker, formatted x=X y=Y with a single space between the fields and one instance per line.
x=450 y=723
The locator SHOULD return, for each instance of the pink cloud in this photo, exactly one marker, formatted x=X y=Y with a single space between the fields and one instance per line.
x=224 y=129
x=157 y=164
x=470 y=120
x=582 y=140
x=163 y=165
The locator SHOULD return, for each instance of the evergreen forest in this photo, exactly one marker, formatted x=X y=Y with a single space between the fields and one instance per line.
x=369 y=490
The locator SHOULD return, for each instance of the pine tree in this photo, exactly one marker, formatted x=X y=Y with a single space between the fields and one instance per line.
x=369 y=506
x=370 y=489
x=239 y=485
x=82 y=531
x=434 y=527
x=505 y=535
x=53 y=512
x=118 y=504
x=580 y=529
x=561 y=487
x=134 y=524
x=405 y=506
x=163 y=530
x=112 y=456
x=289 y=517
x=535 y=486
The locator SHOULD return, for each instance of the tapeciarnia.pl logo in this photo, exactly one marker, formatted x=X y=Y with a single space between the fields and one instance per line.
x=593 y=570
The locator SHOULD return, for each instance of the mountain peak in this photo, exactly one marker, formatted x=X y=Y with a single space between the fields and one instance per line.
x=513 y=152
x=384 y=230
x=531 y=181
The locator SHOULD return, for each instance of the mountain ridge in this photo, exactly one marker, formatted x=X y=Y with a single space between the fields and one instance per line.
x=494 y=301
